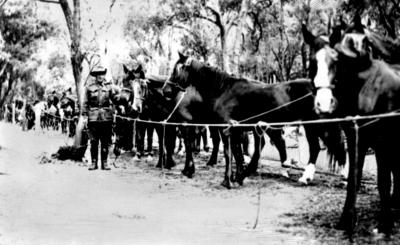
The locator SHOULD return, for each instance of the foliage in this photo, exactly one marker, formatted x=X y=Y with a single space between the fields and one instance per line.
x=20 y=31
x=385 y=13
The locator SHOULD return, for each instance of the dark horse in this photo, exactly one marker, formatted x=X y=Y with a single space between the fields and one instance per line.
x=154 y=106
x=349 y=82
x=68 y=107
x=125 y=113
x=53 y=112
x=140 y=128
x=217 y=97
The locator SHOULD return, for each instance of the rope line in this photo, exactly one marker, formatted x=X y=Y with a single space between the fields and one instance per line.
x=263 y=124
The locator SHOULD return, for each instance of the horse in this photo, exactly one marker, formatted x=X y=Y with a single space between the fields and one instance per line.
x=154 y=106
x=124 y=127
x=159 y=108
x=217 y=97
x=53 y=111
x=30 y=116
x=349 y=82
x=68 y=111
x=141 y=129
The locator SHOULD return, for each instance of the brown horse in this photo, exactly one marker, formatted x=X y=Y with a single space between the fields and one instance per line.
x=213 y=97
x=350 y=82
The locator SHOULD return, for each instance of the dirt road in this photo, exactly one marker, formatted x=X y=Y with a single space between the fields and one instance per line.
x=64 y=203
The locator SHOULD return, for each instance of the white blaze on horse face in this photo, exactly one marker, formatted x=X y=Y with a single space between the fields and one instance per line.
x=324 y=100
x=321 y=79
x=137 y=95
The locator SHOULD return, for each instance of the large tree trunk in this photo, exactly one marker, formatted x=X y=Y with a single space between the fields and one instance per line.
x=73 y=20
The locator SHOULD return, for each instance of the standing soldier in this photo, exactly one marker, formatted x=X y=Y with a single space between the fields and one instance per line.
x=98 y=109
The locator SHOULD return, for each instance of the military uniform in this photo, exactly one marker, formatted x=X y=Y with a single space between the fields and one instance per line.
x=98 y=108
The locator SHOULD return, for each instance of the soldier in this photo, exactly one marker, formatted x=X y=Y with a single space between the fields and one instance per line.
x=98 y=109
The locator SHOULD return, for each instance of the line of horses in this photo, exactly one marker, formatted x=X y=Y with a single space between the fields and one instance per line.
x=57 y=112
x=346 y=78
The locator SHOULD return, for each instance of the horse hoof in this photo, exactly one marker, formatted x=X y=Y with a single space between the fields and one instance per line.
x=170 y=164
x=303 y=180
x=188 y=173
x=240 y=178
x=247 y=159
x=227 y=184
x=285 y=173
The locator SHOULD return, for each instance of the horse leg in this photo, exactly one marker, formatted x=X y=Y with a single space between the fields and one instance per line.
x=395 y=201
x=140 y=134
x=280 y=144
x=196 y=140
x=161 y=149
x=314 y=149
x=259 y=143
x=188 y=133
x=170 y=140
x=150 y=132
x=204 y=136
x=238 y=154
x=357 y=153
x=244 y=138
x=129 y=136
x=385 y=154
x=216 y=140
x=228 y=164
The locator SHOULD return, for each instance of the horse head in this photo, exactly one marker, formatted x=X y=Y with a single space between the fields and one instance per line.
x=180 y=77
x=323 y=60
x=134 y=87
x=140 y=92
x=346 y=46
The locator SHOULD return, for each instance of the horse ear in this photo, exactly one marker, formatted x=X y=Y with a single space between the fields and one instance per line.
x=358 y=26
x=126 y=70
x=182 y=57
x=307 y=35
x=70 y=90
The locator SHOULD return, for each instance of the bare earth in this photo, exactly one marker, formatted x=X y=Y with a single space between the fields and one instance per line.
x=61 y=202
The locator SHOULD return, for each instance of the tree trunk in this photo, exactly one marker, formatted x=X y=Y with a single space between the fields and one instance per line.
x=223 y=58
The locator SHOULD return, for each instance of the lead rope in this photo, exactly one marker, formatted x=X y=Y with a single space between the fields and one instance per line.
x=176 y=106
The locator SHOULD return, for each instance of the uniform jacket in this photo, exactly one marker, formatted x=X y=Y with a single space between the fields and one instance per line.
x=98 y=101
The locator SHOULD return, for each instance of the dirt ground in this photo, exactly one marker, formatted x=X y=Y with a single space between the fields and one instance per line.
x=46 y=201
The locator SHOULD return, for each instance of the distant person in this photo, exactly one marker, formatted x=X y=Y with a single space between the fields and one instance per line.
x=98 y=109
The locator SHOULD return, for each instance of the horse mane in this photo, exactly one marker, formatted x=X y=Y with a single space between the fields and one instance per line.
x=215 y=77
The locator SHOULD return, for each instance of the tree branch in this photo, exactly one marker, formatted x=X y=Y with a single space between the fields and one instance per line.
x=2 y=3
x=68 y=16
x=112 y=4
x=48 y=1
x=3 y=69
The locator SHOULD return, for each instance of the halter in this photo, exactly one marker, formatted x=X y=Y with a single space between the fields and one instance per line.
x=176 y=85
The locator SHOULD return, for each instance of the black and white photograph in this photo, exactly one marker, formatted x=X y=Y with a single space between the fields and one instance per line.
x=199 y=122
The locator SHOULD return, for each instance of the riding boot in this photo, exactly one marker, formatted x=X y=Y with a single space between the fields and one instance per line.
x=104 y=156
x=104 y=165
x=94 y=164
x=93 y=154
